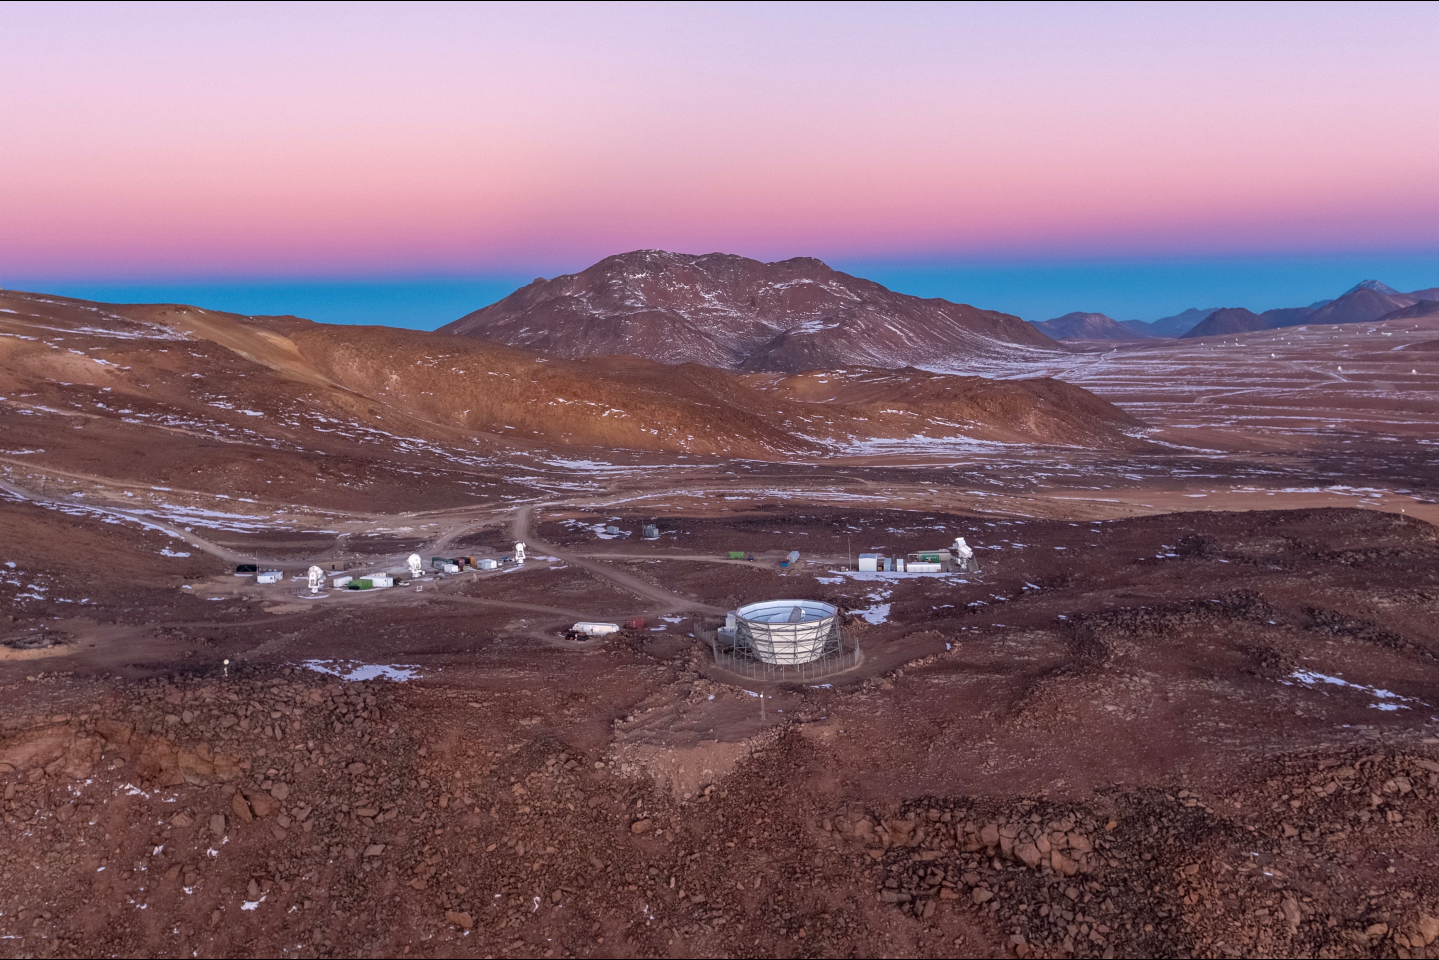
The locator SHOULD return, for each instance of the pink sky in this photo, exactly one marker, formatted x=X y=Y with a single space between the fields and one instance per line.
x=275 y=140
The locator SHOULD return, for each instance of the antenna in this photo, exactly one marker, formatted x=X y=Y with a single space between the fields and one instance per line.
x=415 y=565
x=317 y=580
x=520 y=551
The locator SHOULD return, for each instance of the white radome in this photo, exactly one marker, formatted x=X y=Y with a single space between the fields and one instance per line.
x=416 y=565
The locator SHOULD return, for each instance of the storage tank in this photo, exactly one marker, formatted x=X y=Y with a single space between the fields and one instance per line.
x=595 y=629
x=785 y=632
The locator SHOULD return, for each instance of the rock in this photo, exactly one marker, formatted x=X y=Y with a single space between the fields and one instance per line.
x=217 y=825
x=989 y=836
x=981 y=895
x=374 y=850
x=253 y=890
x=1062 y=864
x=262 y=803
x=181 y=819
x=1079 y=842
x=1291 y=913
x=65 y=812
x=241 y=808
x=641 y=826
x=460 y=919
x=115 y=731
x=1376 y=930
x=1029 y=855
x=355 y=769
x=1429 y=929
x=948 y=894
x=280 y=791
x=367 y=811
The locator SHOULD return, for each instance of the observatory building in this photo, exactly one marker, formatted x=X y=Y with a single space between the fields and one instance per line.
x=780 y=639
x=784 y=632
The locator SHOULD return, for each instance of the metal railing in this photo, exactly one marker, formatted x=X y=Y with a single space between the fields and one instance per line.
x=840 y=654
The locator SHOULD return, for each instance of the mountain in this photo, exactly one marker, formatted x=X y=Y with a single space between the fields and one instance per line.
x=1424 y=308
x=1366 y=302
x=1227 y=321
x=1175 y=326
x=732 y=312
x=1088 y=326
x=241 y=406
x=1374 y=285
x=1361 y=304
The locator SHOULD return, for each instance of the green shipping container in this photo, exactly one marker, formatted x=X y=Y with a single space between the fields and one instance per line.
x=736 y=554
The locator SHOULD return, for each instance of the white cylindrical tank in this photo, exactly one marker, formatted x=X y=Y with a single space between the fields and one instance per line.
x=595 y=629
x=786 y=631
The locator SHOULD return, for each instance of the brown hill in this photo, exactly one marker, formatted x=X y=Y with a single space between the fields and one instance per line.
x=728 y=311
x=1228 y=320
x=1360 y=305
x=1088 y=326
x=916 y=404
x=1424 y=308
x=178 y=395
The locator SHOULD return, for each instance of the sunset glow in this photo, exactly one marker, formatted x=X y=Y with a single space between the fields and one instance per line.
x=284 y=140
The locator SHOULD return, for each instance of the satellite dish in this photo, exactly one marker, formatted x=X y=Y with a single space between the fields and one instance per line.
x=317 y=579
x=415 y=565
x=520 y=551
x=962 y=549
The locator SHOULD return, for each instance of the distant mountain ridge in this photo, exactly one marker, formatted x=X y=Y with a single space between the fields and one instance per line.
x=1175 y=326
x=1368 y=301
x=1088 y=326
x=732 y=312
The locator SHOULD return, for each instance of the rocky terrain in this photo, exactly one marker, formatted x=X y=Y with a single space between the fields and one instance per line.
x=731 y=312
x=173 y=376
x=1187 y=707
x=1171 y=766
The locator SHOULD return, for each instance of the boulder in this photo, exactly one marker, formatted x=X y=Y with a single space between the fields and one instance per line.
x=1028 y=854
